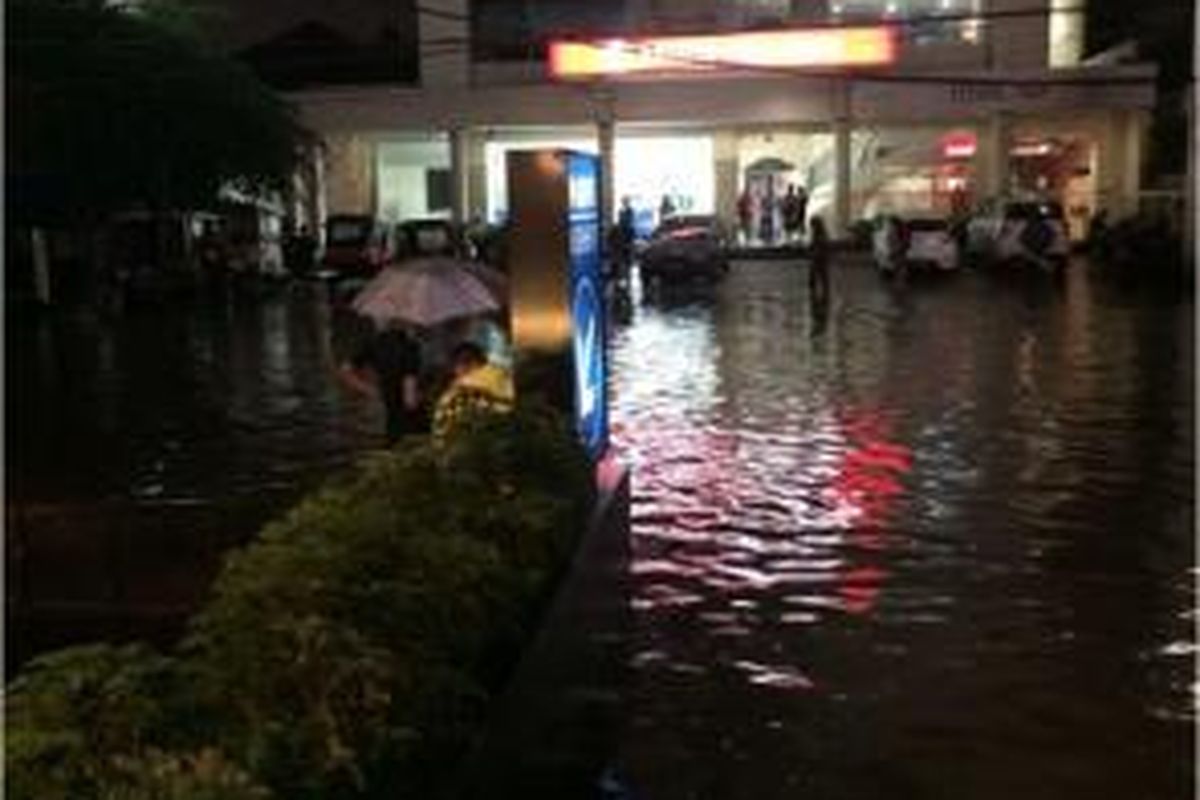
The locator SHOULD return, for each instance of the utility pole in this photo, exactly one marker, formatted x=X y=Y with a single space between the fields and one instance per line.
x=1191 y=244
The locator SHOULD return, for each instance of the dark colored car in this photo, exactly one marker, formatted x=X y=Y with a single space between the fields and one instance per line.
x=686 y=247
x=356 y=245
x=428 y=237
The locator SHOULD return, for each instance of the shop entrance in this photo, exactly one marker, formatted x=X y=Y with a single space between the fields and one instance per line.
x=1061 y=168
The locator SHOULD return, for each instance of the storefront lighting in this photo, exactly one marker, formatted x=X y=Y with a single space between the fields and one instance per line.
x=1026 y=149
x=959 y=145
x=821 y=47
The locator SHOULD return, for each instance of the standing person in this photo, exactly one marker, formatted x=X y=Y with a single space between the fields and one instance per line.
x=666 y=208
x=818 y=254
x=767 y=212
x=625 y=233
x=388 y=365
x=791 y=210
x=745 y=212
x=306 y=250
x=801 y=208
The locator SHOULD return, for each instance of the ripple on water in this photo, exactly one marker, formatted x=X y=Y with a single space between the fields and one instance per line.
x=946 y=504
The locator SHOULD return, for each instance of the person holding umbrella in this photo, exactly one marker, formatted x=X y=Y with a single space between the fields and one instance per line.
x=426 y=293
x=388 y=365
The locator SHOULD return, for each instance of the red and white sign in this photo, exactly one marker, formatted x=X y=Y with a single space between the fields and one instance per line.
x=808 y=48
x=959 y=145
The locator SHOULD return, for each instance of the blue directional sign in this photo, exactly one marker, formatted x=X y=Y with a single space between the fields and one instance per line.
x=587 y=307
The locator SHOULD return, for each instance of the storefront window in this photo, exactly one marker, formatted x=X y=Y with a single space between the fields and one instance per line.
x=912 y=172
x=774 y=167
x=923 y=25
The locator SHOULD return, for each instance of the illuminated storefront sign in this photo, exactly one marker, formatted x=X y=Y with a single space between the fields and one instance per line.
x=959 y=145
x=819 y=47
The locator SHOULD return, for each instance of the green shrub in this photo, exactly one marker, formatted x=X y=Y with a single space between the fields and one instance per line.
x=349 y=651
x=92 y=722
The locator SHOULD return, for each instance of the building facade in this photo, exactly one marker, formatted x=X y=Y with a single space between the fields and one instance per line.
x=978 y=99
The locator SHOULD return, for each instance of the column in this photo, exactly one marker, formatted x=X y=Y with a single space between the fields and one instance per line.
x=840 y=224
x=606 y=140
x=316 y=193
x=1120 y=163
x=460 y=175
x=993 y=154
x=1191 y=244
x=1131 y=172
x=476 y=176
x=725 y=175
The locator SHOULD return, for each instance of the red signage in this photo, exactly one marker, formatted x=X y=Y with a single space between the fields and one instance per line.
x=809 y=48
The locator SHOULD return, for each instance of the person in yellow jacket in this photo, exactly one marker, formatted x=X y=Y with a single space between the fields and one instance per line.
x=478 y=385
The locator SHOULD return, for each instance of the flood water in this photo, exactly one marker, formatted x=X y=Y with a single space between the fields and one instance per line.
x=930 y=542
x=139 y=449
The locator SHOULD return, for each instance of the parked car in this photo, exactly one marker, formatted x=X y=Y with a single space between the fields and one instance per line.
x=357 y=245
x=254 y=234
x=428 y=237
x=1020 y=231
x=686 y=247
x=902 y=244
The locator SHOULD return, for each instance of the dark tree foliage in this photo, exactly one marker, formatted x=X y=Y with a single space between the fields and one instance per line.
x=118 y=105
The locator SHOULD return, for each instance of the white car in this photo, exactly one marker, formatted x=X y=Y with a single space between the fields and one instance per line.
x=1029 y=232
x=915 y=243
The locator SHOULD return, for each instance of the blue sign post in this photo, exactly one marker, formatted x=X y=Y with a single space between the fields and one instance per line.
x=556 y=285
x=587 y=306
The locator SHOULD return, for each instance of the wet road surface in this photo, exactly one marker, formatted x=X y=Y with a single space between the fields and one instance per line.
x=931 y=542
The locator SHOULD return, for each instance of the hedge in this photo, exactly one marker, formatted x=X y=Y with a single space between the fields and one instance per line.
x=349 y=651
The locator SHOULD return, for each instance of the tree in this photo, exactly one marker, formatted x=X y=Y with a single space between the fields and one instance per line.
x=116 y=105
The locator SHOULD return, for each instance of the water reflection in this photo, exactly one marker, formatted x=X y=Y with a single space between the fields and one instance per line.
x=927 y=540
x=140 y=448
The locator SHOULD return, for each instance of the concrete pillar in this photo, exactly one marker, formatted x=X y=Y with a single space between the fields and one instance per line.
x=316 y=193
x=444 y=35
x=1134 y=125
x=476 y=175
x=1191 y=244
x=607 y=145
x=993 y=145
x=460 y=175
x=840 y=224
x=725 y=175
x=1121 y=162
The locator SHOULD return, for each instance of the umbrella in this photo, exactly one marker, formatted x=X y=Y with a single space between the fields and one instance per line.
x=425 y=292
x=495 y=280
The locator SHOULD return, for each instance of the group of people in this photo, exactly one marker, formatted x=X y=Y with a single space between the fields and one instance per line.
x=764 y=217
x=389 y=365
